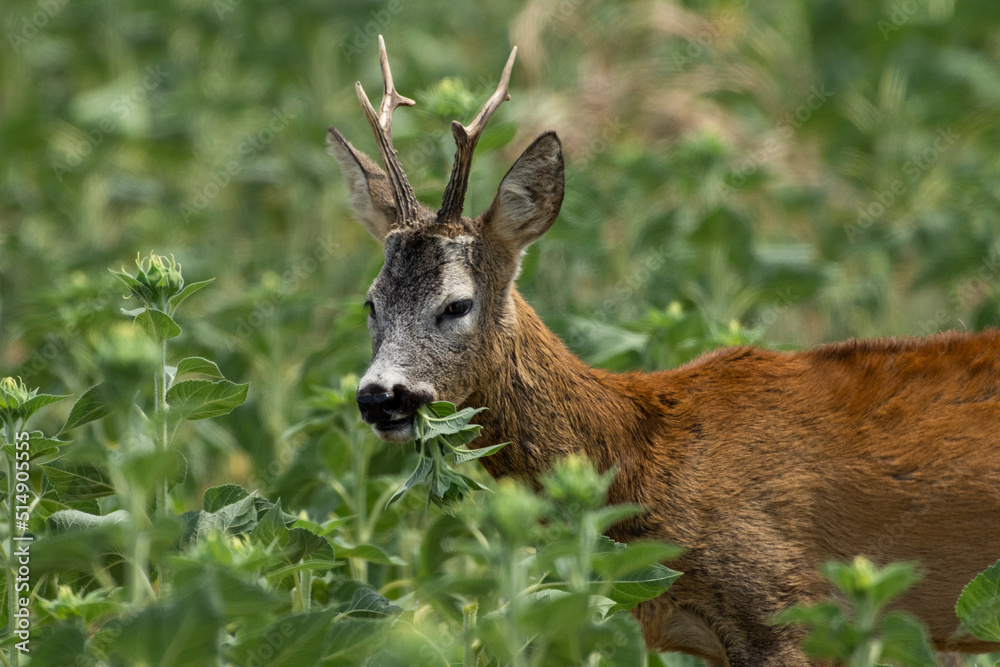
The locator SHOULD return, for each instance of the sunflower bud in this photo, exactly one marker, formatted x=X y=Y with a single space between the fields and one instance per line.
x=12 y=394
x=157 y=280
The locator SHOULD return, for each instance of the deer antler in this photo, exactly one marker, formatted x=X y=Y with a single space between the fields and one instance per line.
x=381 y=123
x=466 y=139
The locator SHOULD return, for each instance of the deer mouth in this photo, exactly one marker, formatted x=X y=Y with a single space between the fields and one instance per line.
x=399 y=429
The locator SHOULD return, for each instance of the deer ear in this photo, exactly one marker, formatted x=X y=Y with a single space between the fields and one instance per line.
x=530 y=195
x=371 y=196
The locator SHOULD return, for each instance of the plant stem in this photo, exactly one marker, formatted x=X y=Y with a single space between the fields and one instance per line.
x=303 y=581
x=160 y=434
x=359 y=566
x=140 y=559
x=469 y=612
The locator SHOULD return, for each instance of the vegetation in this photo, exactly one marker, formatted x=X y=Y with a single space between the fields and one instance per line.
x=782 y=174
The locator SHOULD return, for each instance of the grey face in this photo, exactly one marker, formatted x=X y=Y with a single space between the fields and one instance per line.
x=424 y=320
x=443 y=298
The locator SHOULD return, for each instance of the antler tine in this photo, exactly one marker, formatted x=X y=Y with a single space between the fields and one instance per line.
x=466 y=139
x=381 y=124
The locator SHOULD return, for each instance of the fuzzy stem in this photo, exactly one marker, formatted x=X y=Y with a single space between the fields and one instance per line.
x=160 y=436
x=359 y=567
x=469 y=612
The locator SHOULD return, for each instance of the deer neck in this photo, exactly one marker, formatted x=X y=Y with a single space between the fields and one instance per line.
x=547 y=404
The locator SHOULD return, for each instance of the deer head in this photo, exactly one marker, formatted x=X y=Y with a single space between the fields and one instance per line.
x=444 y=295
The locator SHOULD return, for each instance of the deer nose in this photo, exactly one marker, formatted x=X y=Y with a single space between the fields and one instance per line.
x=379 y=404
x=376 y=402
x=382 y=399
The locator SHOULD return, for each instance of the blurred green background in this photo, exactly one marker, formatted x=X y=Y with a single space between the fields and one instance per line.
x=784 y=173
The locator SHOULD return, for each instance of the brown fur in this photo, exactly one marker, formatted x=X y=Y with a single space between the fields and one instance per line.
x=766 y=464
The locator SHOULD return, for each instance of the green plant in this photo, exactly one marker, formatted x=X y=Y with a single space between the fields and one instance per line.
x=440 y=431
x=20 y=448
x=979 y=605
x=544 y=586
x=159 y=286
x=857 y=632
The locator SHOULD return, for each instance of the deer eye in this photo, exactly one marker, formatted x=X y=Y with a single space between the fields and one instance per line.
x=371 y=308
x=458 y=308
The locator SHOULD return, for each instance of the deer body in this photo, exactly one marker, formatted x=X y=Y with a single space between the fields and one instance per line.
x=762 y=464
x=767 y=464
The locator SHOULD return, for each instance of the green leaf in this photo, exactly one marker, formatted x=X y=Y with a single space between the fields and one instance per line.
x=88 y=608
x=360 y=600
x=133 y=313
x=65 y=520
x=235 y=518
x=355 y=641
x=905 y=642
x=608 y=516
x=188 y=290
x=218 y=497
x=325 y=528
x=440 y=418
x=198 y=365
x=615 y=559
x=36 y=403
x=38 y=445
x=464 y=454
x=303 y=545
x=292 y=641
x=74 y=483
x=863 y=580
x=270 y=528
x=134 y=286
x=630 y=589
x=203 y=399
x=311 y=565
x=241 y=598
x=424 y=468
x=95 y=403
x=368 y=552
x=830 y=633
x=60 y=644
x=559 y=612
x=157 y=324
x=440 y=409
x=979 y=605
x=183 y=632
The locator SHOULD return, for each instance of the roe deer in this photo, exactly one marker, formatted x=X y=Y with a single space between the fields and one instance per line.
x=763 y=464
